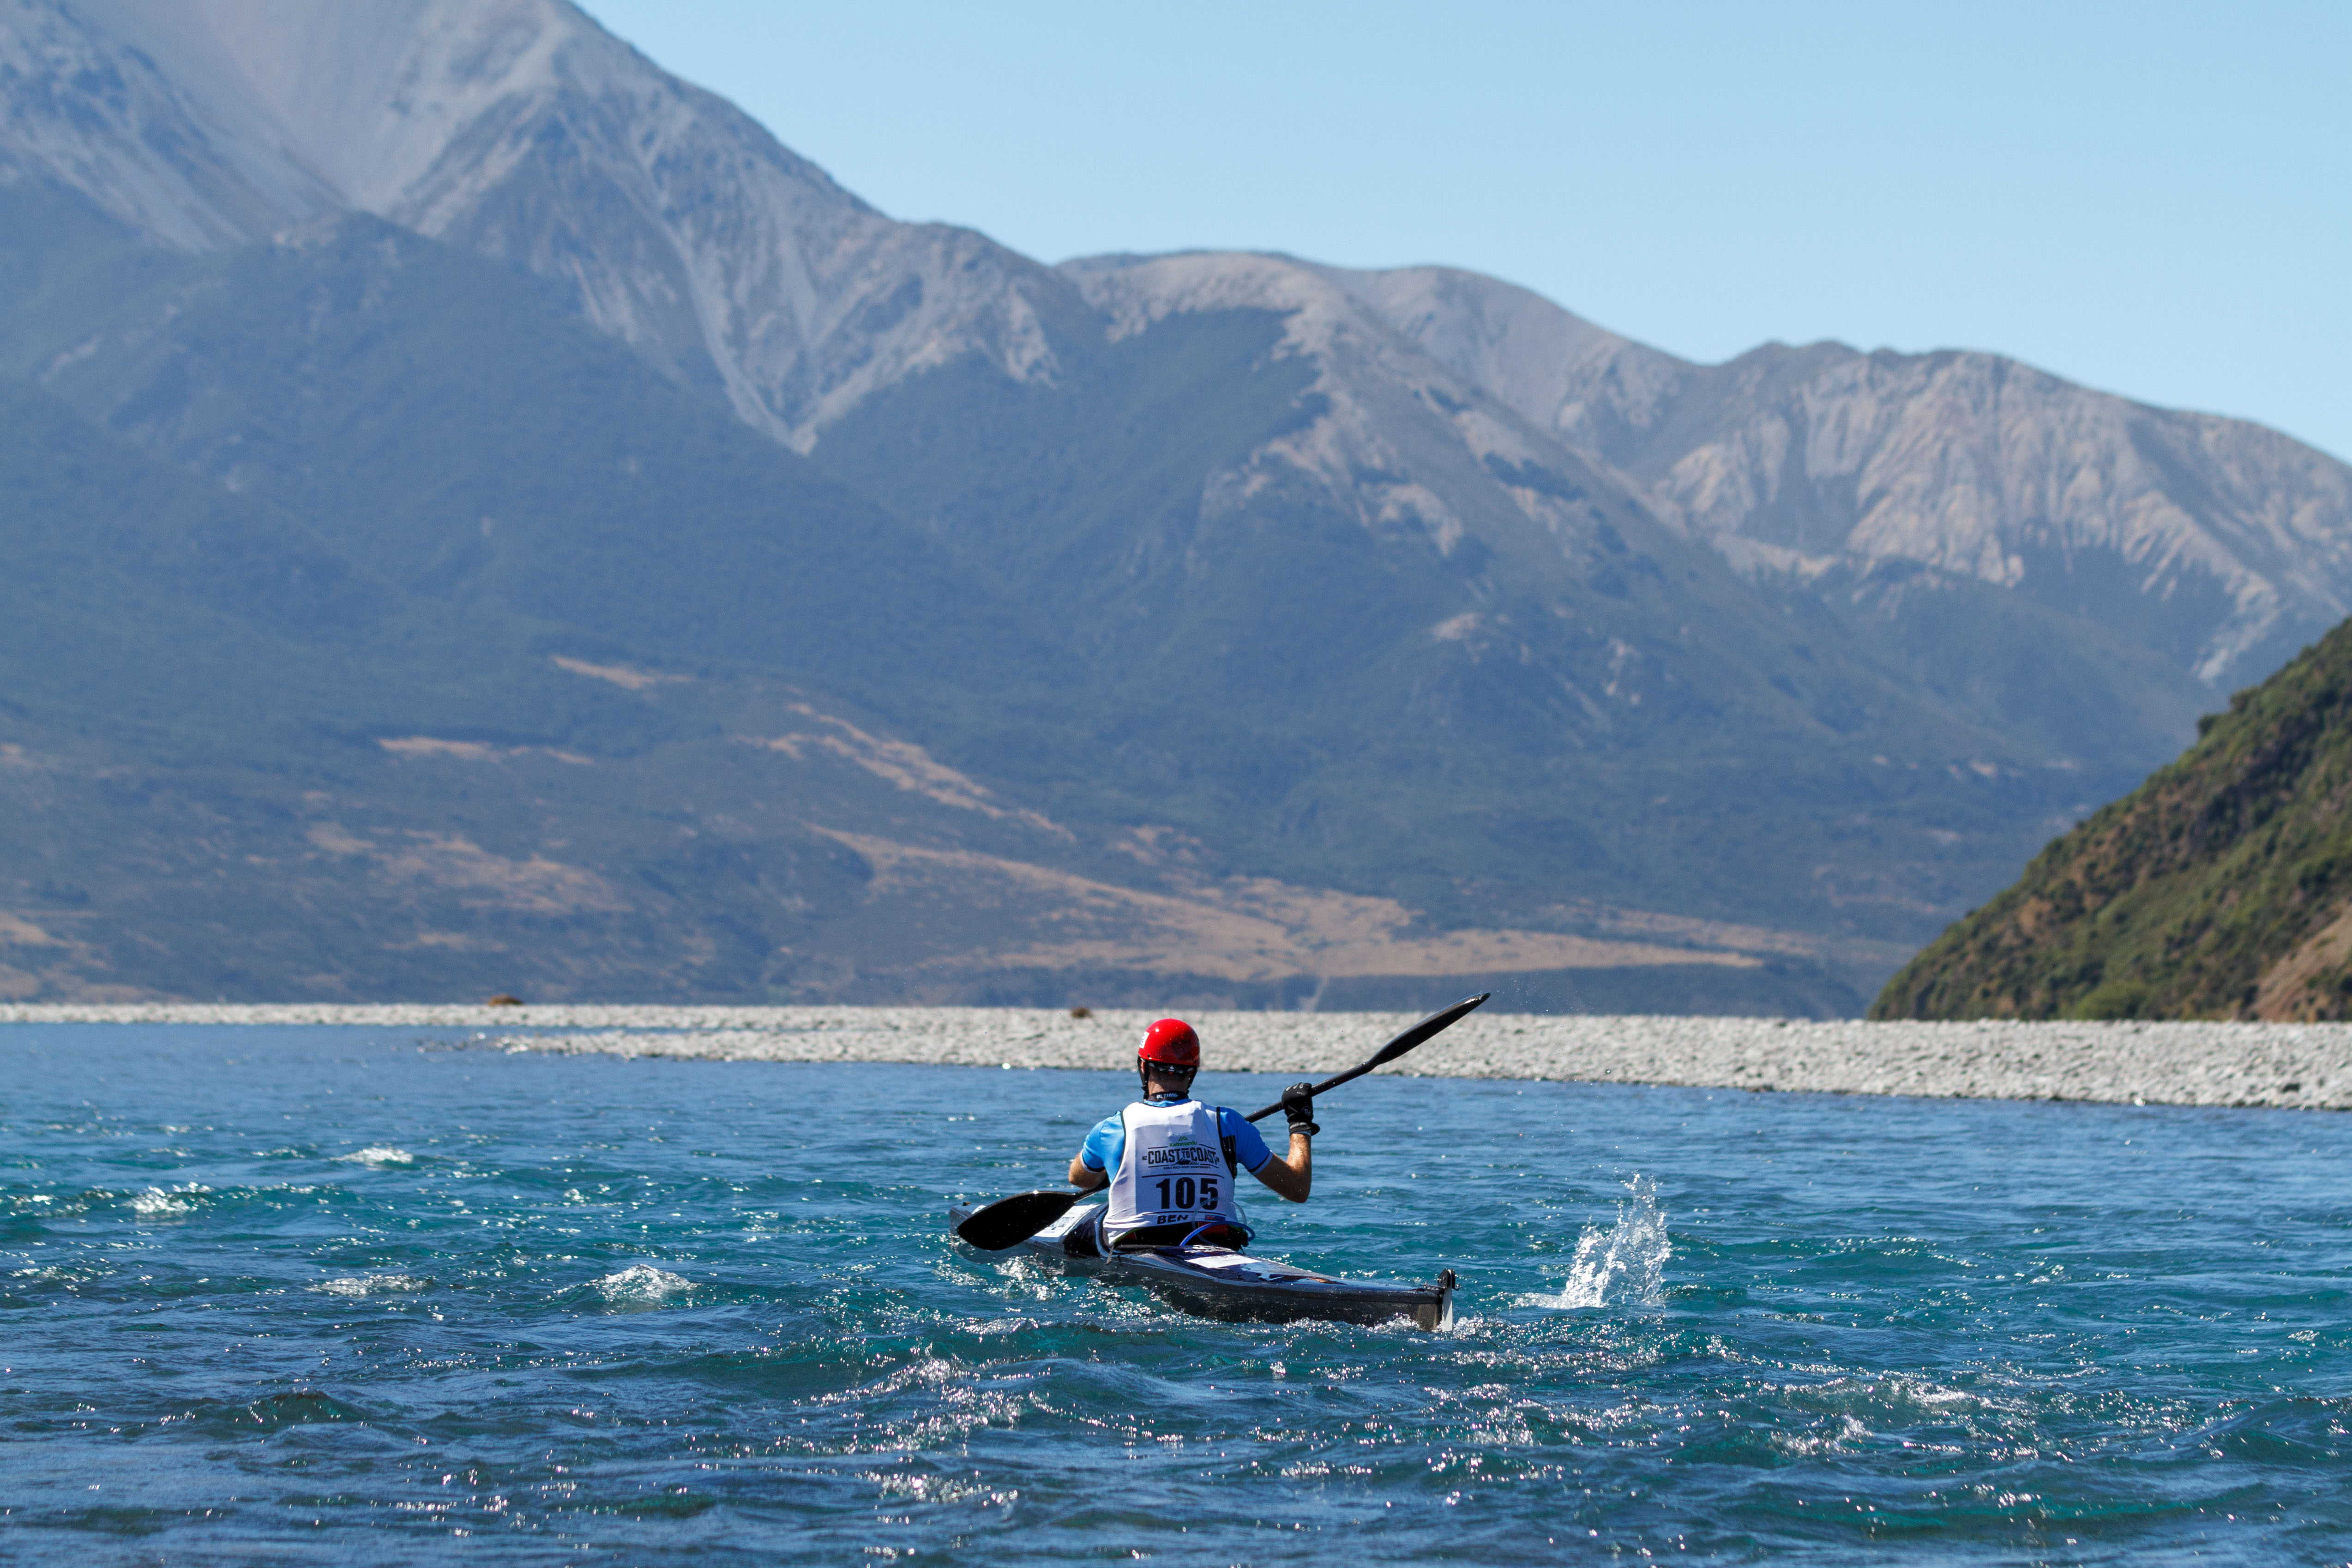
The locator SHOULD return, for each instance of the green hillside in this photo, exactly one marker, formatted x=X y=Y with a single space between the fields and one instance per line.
x=2220 y=888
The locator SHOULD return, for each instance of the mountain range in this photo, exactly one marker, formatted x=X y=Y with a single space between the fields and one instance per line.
x=486 y=515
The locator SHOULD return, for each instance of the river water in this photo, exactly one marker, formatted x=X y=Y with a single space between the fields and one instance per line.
x=308 y=1295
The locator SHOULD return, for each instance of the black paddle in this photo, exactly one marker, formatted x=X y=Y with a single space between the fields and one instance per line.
x=1421 y=1033
x=1010 y=1221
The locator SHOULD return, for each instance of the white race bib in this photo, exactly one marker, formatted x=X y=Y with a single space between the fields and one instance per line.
x=1172 y=1171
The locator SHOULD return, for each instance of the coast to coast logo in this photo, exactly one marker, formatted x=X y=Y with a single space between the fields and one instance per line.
x=1192 y=1154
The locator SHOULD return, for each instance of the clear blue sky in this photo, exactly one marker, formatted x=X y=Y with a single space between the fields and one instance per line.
x=2151 y=198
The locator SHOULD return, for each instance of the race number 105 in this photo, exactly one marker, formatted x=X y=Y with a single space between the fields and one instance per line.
x=1182 y=1191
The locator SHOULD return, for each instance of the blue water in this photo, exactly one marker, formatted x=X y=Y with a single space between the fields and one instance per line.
x=354 y=1296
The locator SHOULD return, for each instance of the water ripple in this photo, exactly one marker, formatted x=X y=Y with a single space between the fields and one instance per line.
x=343 y=1297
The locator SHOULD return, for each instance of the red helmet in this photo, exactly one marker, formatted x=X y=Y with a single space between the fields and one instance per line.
x=1171 y=1043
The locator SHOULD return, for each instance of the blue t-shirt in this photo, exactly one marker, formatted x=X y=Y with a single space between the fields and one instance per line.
x=1106 y=1144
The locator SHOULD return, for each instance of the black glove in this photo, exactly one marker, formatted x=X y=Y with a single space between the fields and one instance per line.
x=1298 y=1104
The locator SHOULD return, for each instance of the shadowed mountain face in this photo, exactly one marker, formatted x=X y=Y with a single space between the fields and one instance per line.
x=662 y=538
x=447 y=425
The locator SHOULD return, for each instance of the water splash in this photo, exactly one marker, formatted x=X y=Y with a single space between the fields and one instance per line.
x=380 y=1154
x=1626 y=1265
x=641 y=1285
x=157 y=1204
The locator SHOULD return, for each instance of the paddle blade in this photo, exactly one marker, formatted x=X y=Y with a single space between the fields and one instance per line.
x=1428 y=1028
x=1010 y=1221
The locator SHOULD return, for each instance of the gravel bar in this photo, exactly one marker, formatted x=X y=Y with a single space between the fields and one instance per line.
x=2302 y=1065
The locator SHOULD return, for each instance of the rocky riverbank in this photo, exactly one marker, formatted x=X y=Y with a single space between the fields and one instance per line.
x=2301 y=1065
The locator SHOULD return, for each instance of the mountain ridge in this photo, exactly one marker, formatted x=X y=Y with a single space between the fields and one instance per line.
x=1793 y=458
x=805 y=301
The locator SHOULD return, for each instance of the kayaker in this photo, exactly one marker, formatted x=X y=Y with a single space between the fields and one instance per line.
x=1171 y=1161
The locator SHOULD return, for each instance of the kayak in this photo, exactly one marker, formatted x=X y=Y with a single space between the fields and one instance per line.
x=1233 y=1287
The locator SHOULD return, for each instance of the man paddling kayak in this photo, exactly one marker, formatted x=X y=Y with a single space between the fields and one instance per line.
x=1171 y=1161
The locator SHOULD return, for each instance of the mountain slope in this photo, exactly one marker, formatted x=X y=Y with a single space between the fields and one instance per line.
x=132 y=129
x=2216 y=544
x=2221 y=888
x=1353 y=619
x=520 y=129
x=449 y=426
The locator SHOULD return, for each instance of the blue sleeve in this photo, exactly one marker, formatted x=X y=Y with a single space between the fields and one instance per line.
x=1103 y=1145
x=1249 y=1148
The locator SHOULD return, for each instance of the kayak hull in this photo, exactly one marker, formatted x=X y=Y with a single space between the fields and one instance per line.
x=1233 y=1287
